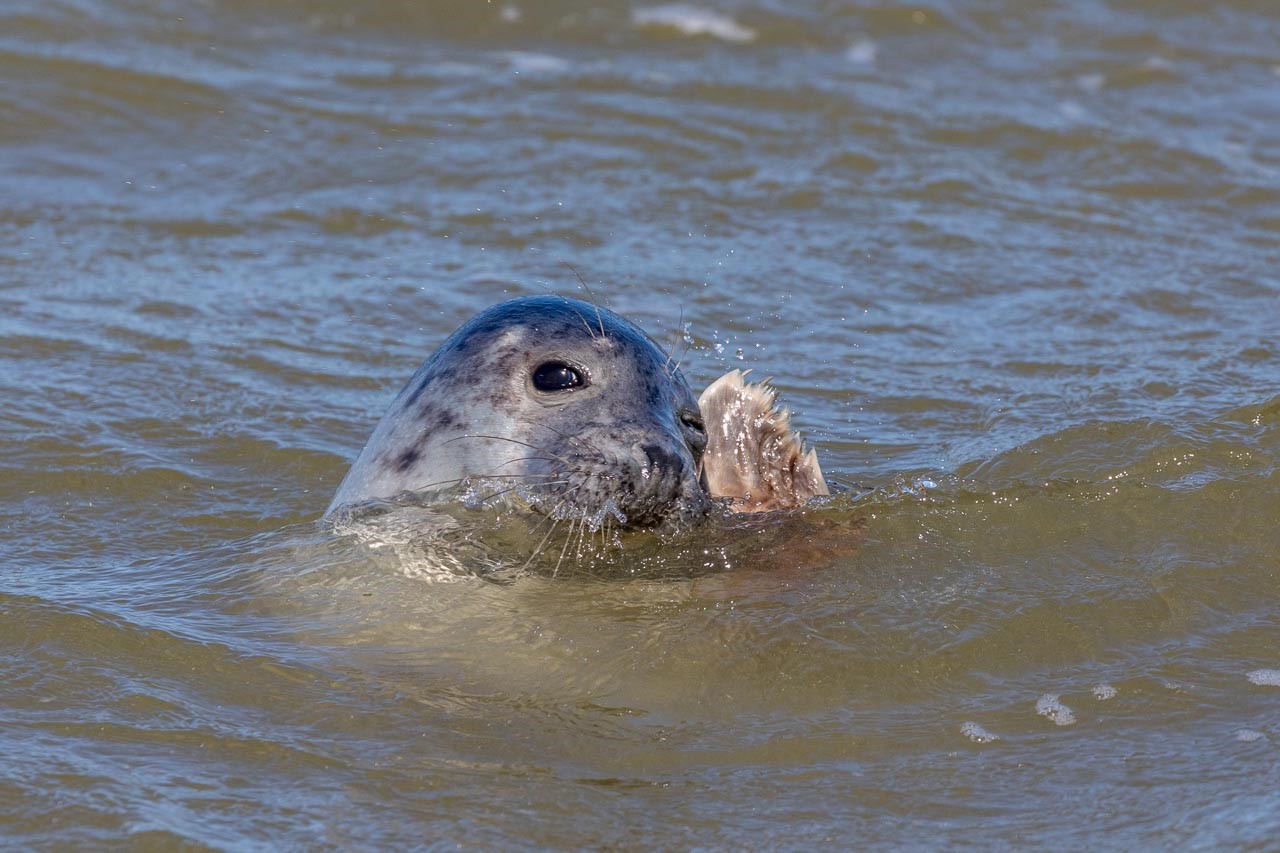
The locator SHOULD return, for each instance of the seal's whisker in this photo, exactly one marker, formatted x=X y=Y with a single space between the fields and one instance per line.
x=550 y=517
x=585 y=323
x=603 y=532
x=576 y=440
x=513 y=441
x=457 y=481
x=594 y=302
x=426 y=487
x=565 y=547
x=502 y=492
x=520 y=475
x=680 y=360
x=526 y=474
x=538 y=550
x=666 y=365
x=584 y=534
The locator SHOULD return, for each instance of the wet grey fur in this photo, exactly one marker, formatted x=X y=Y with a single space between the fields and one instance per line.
x=632 y=435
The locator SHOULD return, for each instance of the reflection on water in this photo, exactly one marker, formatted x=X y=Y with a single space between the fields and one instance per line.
x=1012 y=266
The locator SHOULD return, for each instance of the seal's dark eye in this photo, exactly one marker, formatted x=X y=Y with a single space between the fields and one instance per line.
x=557 y=376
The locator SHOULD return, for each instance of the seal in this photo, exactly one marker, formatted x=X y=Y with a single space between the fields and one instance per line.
x=572 y=408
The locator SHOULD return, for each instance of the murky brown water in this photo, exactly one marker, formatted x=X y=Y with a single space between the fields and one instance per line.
x=1013 y=264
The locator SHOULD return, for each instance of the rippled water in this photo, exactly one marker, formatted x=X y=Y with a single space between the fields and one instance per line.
x=1014 y=266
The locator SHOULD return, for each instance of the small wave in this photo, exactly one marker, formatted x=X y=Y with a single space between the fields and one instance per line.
x=692 y=21
x=528 y=62
x=1103 y=692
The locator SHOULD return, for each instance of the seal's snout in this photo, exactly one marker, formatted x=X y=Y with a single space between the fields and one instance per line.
x=661 y=459
x=661 y=471
x=662 y=487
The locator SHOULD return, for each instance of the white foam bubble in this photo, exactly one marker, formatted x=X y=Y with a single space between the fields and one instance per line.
x=977 y=733
x=693 y=21
x=1248 y=735
x=596 y=520
x=1265 y=677
x=1103 y=692
x=1091 y=83
x=862 y=52
x=1072 y=109
x=1049 y=705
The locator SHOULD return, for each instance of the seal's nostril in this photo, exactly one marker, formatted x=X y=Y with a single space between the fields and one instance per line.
x=661 y=458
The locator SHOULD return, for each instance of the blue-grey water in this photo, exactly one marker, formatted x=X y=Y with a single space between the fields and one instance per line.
x=1014 y=267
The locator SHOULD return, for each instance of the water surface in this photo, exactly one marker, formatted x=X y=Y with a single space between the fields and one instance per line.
x=1013 y=266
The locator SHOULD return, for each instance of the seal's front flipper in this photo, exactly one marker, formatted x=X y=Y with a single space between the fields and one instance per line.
x=752 y=454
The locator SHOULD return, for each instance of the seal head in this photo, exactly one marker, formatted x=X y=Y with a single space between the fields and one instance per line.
x=548 y=399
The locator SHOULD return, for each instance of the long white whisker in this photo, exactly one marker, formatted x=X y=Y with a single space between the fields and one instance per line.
x=564 y=548
x=594 y=302
x=513 y=441
x=538 y=550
